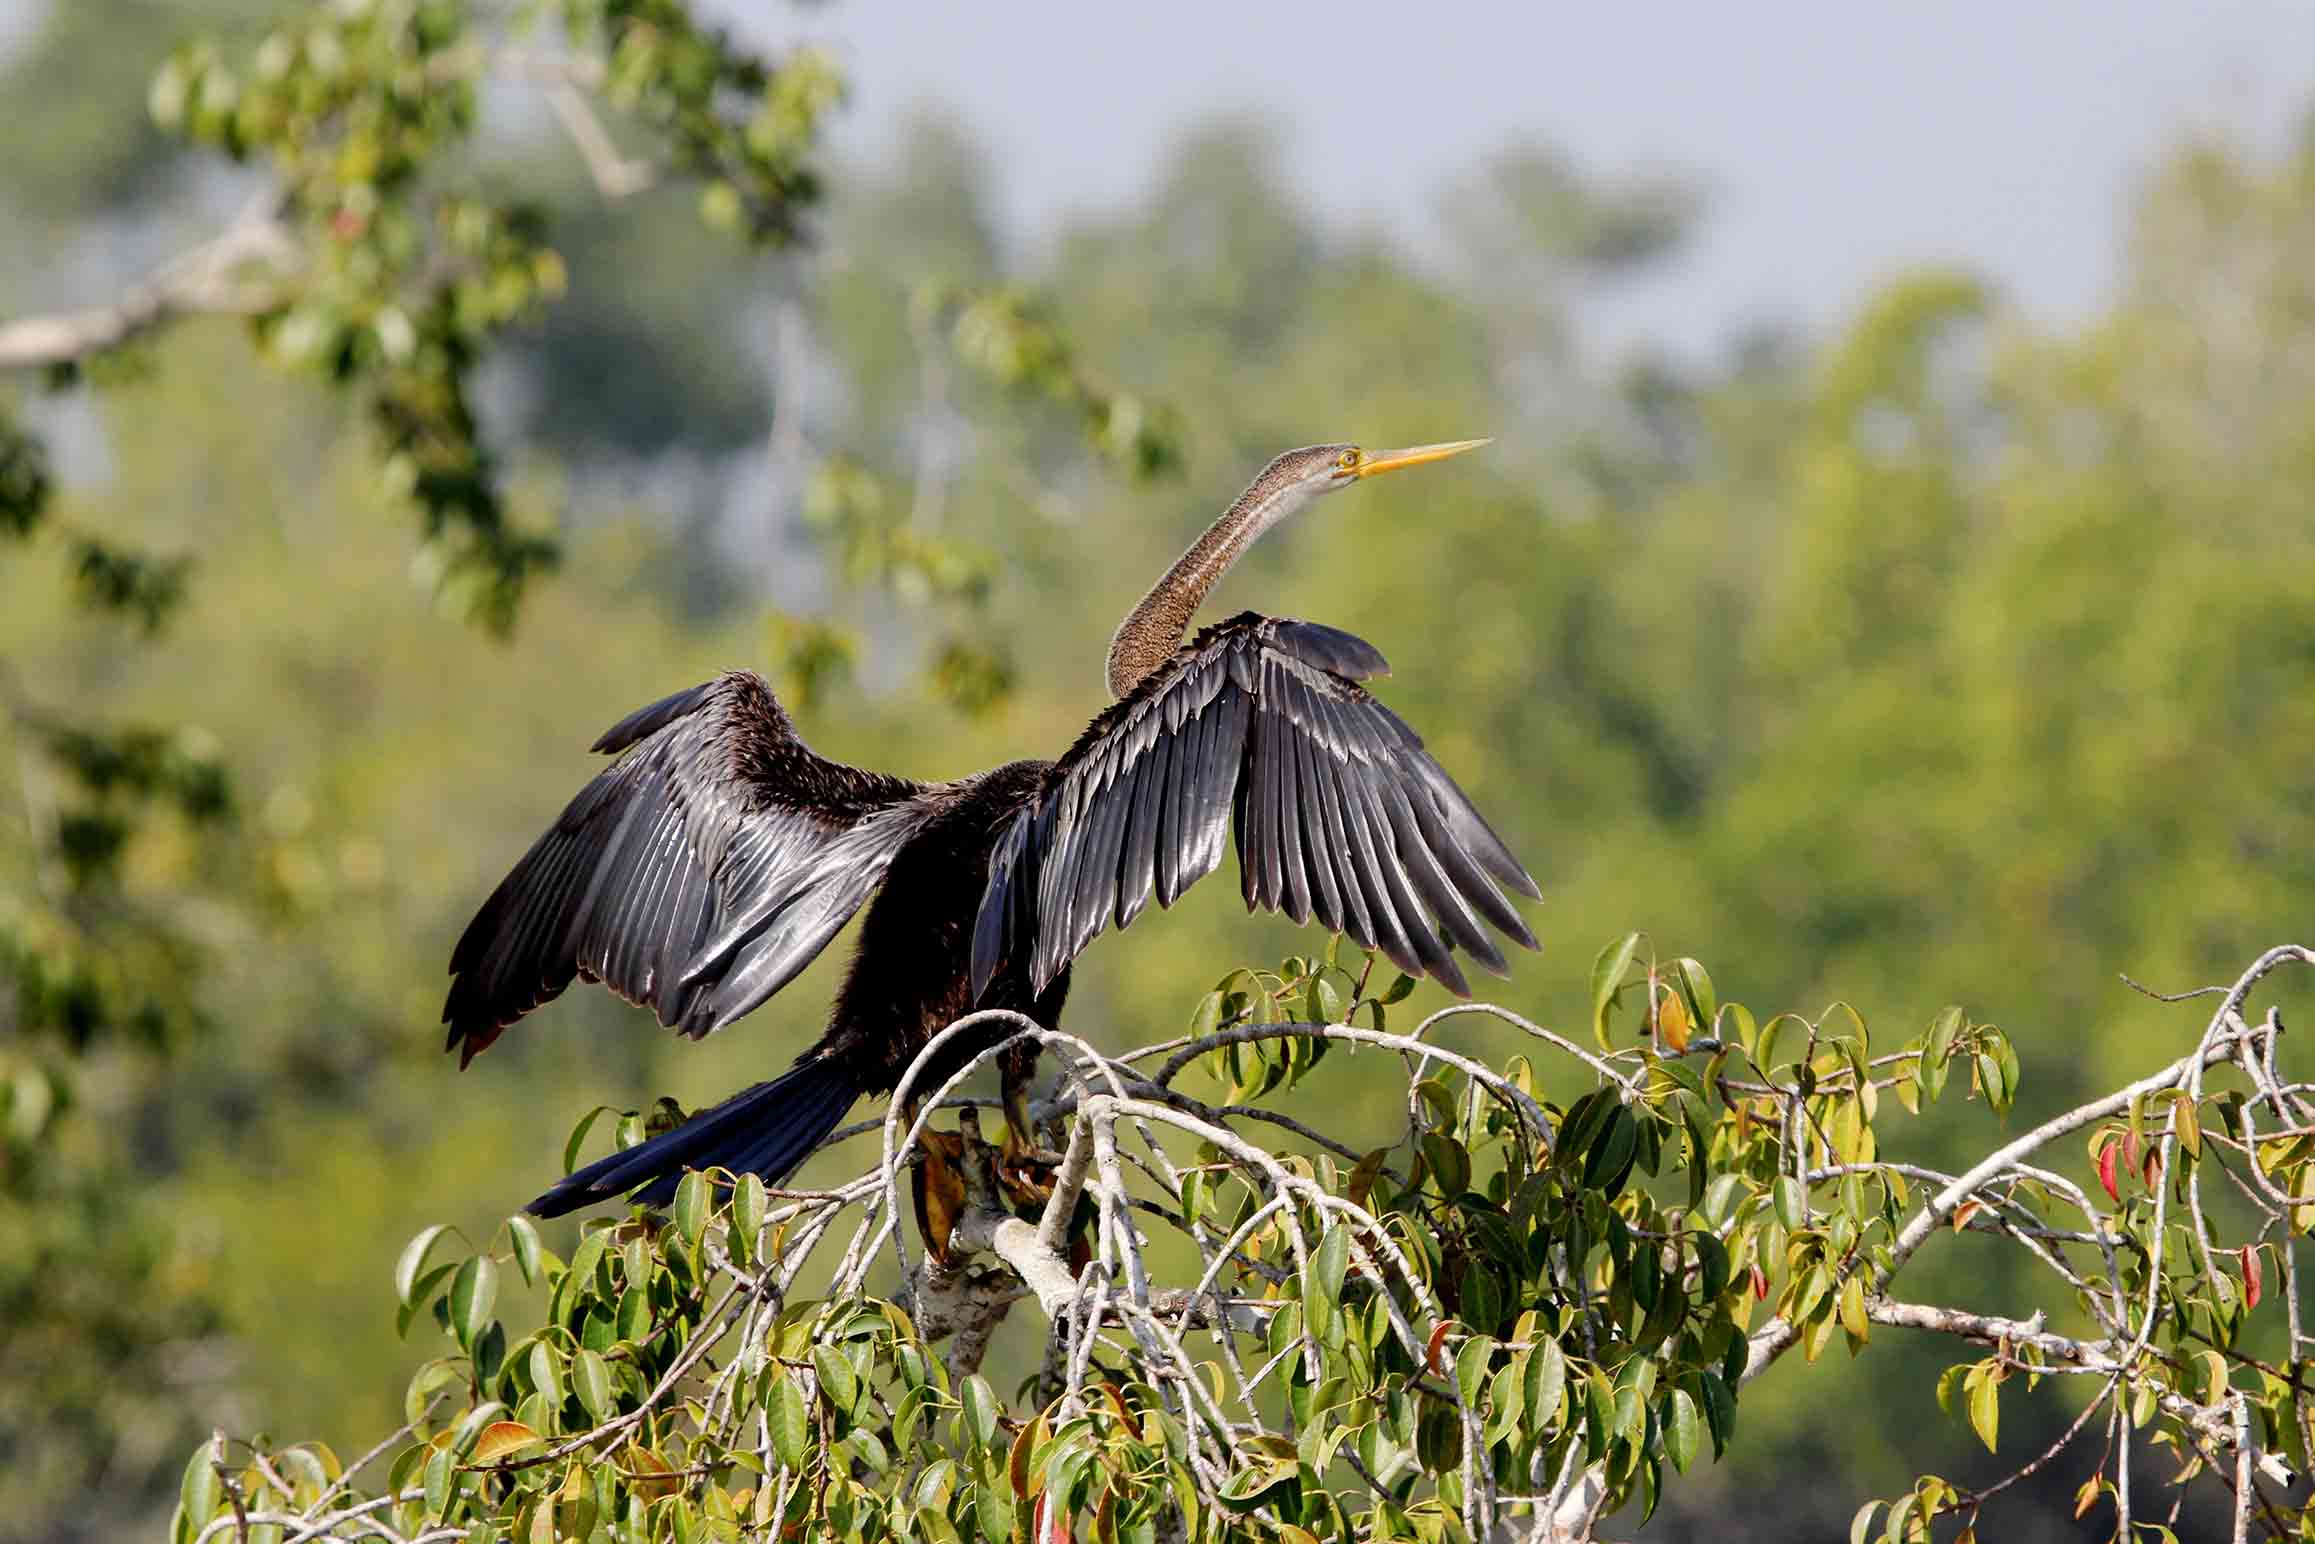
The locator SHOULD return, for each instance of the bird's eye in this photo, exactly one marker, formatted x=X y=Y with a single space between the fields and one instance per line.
x=1347 y=460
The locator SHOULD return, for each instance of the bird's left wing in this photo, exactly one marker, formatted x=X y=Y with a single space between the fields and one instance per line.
x=1340 y=812
x=697 y=874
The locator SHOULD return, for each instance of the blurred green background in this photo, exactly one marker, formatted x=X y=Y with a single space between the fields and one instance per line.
x=1927 y=651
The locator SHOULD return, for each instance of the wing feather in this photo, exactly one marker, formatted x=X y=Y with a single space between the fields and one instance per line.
x=1340 y=813
x=697 y=874
x=1318 y=856
x=1137 y=874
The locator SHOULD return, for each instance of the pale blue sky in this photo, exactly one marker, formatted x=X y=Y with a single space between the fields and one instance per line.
x=1838 y=141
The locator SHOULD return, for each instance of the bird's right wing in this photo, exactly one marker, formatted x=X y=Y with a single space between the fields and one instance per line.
x=697 y=874
x=1341 y=814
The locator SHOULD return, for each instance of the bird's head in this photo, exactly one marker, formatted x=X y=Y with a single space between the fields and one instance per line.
x=1299 y=476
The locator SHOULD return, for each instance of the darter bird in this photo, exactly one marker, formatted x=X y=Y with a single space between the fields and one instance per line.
x=704 y=868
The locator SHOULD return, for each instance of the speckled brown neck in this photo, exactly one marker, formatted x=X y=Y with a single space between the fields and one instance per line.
x=1154 y=629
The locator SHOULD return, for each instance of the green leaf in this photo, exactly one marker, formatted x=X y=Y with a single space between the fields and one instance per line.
x=591 y=1381
x=440 y=1475
x=1401 y=985
x=1329 y=1263
x=1720 y=1198
x=1322 y=1004
x=545 y=1375
x=1936 y=1048
x=428 y=1384
x=1768 y=1052
x=1546 y=1381
x=937 y=1483
x=981 y=1407
x=1861 y=1526
x=1683 y=1428
x=413 y=1260
x=578 y=1137
x=529 y=1253
x=1612 y=1151
x=1450 y=1164
x=589 y=1255
x=1720 y=1404
x=489 y=1354
x=472 y=1295
x=1260 y=1481
x=1711 y=1265
x=838 y=1382
x=1607 y=975
x=748 y=1205
x=1789 y=1203
x=634 y=1320
x=422 y=1292
x=199 y=1492
x=1696 y=982
x=691 y=1207
x=1985 y=1410
x=784 y=1409
x=1471 y=1367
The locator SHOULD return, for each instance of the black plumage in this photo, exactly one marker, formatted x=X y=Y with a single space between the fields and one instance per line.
x=715 y=858
x=1253 y=716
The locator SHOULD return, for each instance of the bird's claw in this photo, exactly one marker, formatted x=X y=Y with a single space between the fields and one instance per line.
x=1016 y=1175
x=1026 y=1172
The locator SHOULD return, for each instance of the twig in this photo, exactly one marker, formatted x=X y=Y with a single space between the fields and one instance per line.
x=616 y=176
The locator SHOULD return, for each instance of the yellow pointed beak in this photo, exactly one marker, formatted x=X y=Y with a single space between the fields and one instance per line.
x=1413 y=455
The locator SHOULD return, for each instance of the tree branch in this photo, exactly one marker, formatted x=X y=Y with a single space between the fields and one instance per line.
x=616 y=176
x=1779 y=1335
x=211 y=279
x=2216 y=1424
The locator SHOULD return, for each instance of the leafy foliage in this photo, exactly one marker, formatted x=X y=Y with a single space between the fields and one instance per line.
x=1520 y=1305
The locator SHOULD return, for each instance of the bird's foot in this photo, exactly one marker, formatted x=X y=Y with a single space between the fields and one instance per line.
x=1026 y=1174
x=960 y=1170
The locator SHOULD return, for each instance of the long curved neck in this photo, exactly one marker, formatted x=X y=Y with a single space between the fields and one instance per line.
x=1153 y=629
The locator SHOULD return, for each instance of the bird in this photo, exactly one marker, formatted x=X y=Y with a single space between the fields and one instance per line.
x=717 y=855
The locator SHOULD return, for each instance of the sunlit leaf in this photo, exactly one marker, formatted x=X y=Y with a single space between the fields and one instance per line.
x=1607 y=974
x=784 y=1411
x=1985 y=1411
x=413 y=1259
x=591 y=1381
x=499 y=1439
x=473 y=1293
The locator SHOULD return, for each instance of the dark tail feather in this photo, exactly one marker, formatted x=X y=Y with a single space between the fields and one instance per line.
x=766 y=1130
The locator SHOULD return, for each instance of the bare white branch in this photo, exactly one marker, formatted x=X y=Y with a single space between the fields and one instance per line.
x=238 y=272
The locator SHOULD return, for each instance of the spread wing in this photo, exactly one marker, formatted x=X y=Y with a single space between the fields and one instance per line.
x=697 y=874
x=1341 y=814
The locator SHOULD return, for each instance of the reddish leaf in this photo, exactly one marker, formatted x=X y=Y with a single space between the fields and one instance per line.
x=2109 y=1157
x=1431 y=1352
x=1759 y=1284
x=1965 y=1211
x=1052 y=1524
x=2254 y=1274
